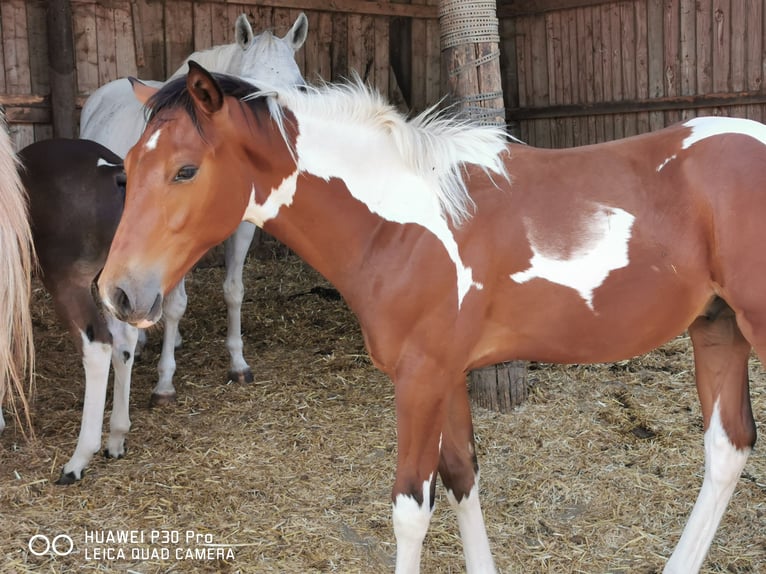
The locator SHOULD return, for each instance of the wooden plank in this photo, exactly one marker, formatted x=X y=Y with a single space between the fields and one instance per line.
x=704 y=48
x=178 y=33
x=691 y=103
x=523 y=56
x=152 y=17
x=555 y=59
x=642 y=71
x=615 y=30
x=16 y=51
x=688 y=49
x=607 y=54
x=516 y=8
x=339 y=47
x=723 y=45
x=418 y=100
x=585 y=65
x=381 y=63
x=569 y=69
x=203 y=26
x=222 y=28
x=324 y=34
x=539 y=66
x=629 y=53
x=125 y=52
x=672 y=47
x=435 y=86
x=598 y=70
x=105 y=43
x=655 y=69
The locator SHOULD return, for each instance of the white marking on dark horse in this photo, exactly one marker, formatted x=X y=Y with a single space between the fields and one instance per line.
x=102 y=162
x=703 y=128
x=603 y=247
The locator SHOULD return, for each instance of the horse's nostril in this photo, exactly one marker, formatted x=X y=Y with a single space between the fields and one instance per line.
x=121 y=303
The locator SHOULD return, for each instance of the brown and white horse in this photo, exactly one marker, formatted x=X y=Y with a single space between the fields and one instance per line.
x=456 y=249
x=16 y=263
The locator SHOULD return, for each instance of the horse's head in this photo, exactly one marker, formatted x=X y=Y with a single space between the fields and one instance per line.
x=188 y=188
x=263 y=58
x=270 y=60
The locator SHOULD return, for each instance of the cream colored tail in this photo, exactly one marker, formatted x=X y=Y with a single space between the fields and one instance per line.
x=16 y=262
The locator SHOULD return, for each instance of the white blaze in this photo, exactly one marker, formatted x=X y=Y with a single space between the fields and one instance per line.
x=602 y=249
x=151 y=143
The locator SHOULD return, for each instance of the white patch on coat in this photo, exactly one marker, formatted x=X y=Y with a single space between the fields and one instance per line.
x=102 y=162
x=602 y=249
x=151 y=143
x=666 y=162
x=282 y=196
x=706 y=127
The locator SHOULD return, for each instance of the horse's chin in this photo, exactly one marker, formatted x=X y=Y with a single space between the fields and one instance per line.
x=145 y=323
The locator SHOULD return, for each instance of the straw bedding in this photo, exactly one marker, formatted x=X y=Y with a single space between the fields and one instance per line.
x=596 y=473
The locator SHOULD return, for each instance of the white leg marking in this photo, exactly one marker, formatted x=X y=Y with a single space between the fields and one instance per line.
x=602 y=248
x=478 y=556
x=95 y=359
x=723 y=465
x=173 y=308
x=124 y=337
x=233 y=293
x=411 y=522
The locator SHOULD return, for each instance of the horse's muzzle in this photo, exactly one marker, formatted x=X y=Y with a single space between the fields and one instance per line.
x=124 y=307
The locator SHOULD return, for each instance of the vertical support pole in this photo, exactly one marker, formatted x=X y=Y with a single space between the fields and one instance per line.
x=471 y=60
x=62 y=68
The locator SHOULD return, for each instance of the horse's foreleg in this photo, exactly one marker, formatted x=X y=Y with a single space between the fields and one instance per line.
x=124 y=337
x=236 y=248
x=173 y=308
x=460 y=473
x=96 y=356
x=420 y=412
x=720 y=355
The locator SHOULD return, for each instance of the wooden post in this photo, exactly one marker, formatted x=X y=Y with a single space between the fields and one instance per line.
x=62 y=68
x=471 y=58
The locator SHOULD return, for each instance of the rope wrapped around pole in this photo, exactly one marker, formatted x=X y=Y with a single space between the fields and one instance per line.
x=469 y=43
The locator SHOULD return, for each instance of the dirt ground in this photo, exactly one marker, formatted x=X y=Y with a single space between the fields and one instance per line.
x=595 y=473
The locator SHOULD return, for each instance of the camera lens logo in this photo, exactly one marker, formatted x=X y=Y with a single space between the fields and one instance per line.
x=41 y=545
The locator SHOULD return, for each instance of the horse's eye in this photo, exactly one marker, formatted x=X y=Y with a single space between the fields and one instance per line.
x=186 y=173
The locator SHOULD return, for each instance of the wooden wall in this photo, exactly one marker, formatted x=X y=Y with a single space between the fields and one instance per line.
x=394 y=46
x=579 y=72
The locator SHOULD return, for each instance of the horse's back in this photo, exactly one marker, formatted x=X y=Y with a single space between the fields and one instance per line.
x=76 y=196
x=113 y=117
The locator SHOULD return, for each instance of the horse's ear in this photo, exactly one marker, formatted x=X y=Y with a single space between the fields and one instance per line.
x=141 y=90
x=297 y=34
x=243 y=32
x=204 y=90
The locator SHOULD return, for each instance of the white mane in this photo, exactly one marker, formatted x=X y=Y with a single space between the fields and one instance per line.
x=434 y=146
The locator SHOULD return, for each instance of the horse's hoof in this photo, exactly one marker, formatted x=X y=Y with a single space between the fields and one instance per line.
x=158 y=400
x=108 y=454
x=245 y=376
x=67 y=478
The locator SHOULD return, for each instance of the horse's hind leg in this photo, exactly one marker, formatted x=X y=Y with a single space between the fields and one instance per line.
x=124 y=337
x=236 y=248
x=173 y=308
x=460 y=473
x=721 y=359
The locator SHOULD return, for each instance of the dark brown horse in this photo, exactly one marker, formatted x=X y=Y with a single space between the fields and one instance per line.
x=76 y=194
x=456 y=249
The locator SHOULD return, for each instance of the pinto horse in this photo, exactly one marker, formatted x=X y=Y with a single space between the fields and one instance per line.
x=114 y=118
x=457 y=249
x=76 y=192
x=16 y=264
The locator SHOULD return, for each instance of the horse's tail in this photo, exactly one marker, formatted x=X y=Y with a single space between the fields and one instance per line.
x=17 y=259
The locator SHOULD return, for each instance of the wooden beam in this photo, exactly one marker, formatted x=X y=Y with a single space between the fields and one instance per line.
x=514 y=8
x=358 y=7
x=634 y=106
x=61 y=65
